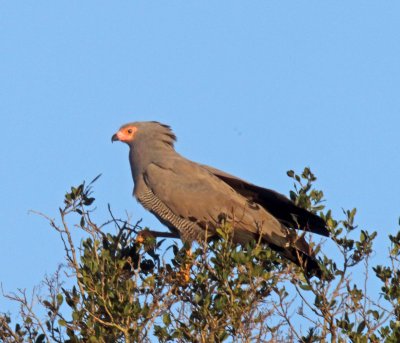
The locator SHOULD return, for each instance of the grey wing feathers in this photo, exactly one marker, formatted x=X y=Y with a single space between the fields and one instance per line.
x=197 y=195
x=193 y=193
x=275 y=203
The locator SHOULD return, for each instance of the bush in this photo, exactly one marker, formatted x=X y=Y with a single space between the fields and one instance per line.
x=124 y=291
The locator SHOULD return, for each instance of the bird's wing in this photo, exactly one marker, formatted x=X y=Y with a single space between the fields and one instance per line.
x=275 y=203
x=193 y=193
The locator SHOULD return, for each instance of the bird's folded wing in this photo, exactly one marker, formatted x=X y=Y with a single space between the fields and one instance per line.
x=190 y=192
x=193 y=193
x=275 y=203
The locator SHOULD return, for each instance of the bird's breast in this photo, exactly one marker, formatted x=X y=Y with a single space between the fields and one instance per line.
x=188 y=230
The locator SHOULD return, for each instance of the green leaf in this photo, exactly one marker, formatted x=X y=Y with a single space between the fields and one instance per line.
x=166 y=319
x=88 y=201
x=362 y=236
x=290 y=173
x=47 y=304
x=361 y=327
x=75 y=315
x=305 y=287
x=60 y=299
x=62 y=322
x=375 y=314
x=40 y=338
x=197 y=298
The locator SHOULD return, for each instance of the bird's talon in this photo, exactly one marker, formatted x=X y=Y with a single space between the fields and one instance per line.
x=143 y=236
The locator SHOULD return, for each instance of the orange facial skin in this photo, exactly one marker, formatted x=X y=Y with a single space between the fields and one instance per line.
x=125 y=134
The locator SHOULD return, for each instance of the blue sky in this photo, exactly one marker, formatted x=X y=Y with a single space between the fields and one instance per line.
x=253 y=88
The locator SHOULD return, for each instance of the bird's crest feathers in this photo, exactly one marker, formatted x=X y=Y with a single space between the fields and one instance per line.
x=155 y=130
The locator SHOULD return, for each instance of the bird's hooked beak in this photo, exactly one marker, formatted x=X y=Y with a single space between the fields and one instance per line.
x=114 y=137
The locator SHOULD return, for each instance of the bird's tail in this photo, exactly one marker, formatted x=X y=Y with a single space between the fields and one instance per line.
x=306 y=262
x=300 y=253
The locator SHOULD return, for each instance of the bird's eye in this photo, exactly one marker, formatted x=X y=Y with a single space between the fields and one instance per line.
x=129 y=131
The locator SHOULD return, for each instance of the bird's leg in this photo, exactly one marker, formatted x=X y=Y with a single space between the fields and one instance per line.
x=143 y=235
x=147 y=239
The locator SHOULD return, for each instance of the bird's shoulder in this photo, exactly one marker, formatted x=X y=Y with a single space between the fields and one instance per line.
x=186 y=178
x=179 y=167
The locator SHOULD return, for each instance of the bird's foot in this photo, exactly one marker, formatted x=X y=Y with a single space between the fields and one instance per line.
x=145 y=236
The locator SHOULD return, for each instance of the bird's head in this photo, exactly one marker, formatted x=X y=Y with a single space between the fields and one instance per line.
x=150 y=131
x=125 y=134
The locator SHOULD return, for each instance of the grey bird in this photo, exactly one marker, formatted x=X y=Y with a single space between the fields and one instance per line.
x=191 y=199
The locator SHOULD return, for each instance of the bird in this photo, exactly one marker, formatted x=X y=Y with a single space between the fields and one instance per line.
x=192 y=199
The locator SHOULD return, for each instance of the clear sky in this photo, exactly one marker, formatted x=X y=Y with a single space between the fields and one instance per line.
x=251 y=87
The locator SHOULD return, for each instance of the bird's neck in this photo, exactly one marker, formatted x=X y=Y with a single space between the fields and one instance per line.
x=144 y=153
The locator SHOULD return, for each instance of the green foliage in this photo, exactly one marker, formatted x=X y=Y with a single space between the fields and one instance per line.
x=124 y=291
x=226 y=294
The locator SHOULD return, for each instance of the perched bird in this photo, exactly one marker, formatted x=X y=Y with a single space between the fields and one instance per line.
x=191 y=199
